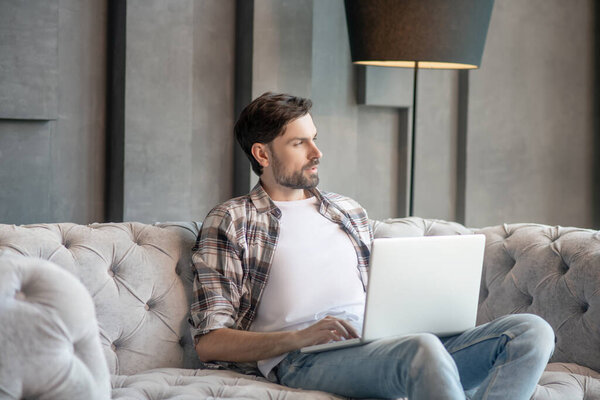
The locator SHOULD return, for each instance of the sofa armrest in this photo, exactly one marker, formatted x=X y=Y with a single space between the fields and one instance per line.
x=49 y=341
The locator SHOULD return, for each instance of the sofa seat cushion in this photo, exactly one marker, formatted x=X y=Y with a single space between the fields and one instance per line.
x=188 y=384
x=558 y=382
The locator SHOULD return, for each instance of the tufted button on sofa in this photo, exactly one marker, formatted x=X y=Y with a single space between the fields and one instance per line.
x=118 y=318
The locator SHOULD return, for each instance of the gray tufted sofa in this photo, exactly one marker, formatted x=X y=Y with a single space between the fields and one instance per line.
x=137 y=278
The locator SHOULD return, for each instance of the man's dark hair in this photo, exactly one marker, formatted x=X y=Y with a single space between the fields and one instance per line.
x=265 y=118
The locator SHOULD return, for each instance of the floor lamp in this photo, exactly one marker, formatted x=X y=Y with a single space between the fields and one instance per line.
x=430 y=34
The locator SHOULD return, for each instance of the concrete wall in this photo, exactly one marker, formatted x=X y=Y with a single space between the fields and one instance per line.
x=531 y=115
x=529 y=127
x=52 y=162
x=178 y=108
x=29 y=59
x=436 y=145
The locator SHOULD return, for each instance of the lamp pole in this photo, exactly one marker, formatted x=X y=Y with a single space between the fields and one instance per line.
x=411 y=192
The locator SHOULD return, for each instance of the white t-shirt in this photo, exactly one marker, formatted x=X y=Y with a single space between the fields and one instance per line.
x=313 y=274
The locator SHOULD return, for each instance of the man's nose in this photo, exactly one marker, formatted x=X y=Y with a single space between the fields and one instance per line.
x=315 y=152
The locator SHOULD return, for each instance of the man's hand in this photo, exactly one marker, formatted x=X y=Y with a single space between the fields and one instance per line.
x=326 y=330
x=241 y=346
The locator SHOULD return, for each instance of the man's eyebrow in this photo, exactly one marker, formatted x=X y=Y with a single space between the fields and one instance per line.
x=301 y=138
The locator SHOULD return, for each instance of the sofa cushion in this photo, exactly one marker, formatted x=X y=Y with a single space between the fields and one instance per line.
x=187 y=384
x=557 y=383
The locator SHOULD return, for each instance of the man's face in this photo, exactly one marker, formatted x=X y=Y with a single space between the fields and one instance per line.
x=295 y=156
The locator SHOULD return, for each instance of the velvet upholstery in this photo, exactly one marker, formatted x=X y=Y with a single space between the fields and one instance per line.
x=49 y=343
x=139 y=278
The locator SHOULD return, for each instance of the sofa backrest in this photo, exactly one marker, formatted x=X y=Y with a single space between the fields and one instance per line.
x=553 y=272
x=139 y=277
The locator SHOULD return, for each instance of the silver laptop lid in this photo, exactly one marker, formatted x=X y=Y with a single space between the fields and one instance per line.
x=423 y=284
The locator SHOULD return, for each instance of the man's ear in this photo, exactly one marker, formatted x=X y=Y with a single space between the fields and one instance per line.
x=261 y=154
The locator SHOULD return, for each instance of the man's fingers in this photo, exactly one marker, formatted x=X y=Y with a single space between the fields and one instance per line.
x=328 y=329
x=341 y=329
x=351 y=331
x=340 y=326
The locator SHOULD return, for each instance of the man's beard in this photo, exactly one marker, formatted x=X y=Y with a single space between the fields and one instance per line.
x=296 y=180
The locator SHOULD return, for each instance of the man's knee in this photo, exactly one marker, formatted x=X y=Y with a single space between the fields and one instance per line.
x=428 y=350
x=430 y=360
x=541 y=329
x=428 y=342
x=535 y=328
x=534 y=324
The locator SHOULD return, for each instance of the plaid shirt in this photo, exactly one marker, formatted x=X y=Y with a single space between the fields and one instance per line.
x=234 y=252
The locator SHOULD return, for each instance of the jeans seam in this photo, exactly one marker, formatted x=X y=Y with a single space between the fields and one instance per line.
x=327 y=364
x=497 y=371
x=482 y=339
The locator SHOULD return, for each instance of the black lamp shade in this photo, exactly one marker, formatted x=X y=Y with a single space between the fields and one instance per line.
x=447 y=34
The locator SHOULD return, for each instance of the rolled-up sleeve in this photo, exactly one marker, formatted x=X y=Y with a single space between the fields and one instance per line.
x=218 y=275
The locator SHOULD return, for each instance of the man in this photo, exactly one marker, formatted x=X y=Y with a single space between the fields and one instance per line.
x=285 y=267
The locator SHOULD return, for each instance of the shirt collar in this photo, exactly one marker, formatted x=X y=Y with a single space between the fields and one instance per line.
x=263 y=202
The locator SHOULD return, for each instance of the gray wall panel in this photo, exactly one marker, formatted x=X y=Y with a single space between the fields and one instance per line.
x=531 y=117
x=213 y=118
x=282 y=46
x=77 y=147
x=158 y=103
x=378 y=159
x=436 y=152
x=179 y=108
x=54 y=171
x=387 y=87
x=29 y=59
x=25 y=172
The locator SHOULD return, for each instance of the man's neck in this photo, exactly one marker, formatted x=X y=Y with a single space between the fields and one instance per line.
x=281 y=193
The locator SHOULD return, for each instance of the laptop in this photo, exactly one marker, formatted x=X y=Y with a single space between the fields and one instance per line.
x=417 y=285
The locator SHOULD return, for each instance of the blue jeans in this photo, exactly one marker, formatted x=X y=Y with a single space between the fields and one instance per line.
x=500 y=360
